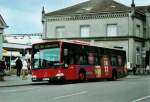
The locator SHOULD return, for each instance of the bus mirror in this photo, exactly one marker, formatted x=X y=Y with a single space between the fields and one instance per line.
x=65 y=52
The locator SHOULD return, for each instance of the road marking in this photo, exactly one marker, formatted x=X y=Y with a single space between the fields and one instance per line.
x=18 y=90
x=74 y=94
x=142 y=98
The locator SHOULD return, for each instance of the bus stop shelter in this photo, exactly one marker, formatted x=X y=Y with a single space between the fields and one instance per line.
x=14 y=50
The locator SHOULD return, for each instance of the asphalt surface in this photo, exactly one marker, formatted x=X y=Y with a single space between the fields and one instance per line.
x=130 y=89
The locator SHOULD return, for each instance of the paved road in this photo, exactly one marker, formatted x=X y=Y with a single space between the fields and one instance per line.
x=124 y=90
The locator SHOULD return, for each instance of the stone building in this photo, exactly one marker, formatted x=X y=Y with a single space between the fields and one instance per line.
x=105 y=23
x=3 y=25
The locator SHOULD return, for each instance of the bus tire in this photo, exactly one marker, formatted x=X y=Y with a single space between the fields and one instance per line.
x=114 y=76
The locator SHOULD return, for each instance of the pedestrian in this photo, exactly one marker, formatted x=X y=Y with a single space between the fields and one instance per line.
x=29 y=66
x=134 y=70
x=18 y=66
x=147 y=69
x=24 y=70
x=2 y=70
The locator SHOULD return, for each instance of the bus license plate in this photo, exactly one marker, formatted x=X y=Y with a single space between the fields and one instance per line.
x=45 y=78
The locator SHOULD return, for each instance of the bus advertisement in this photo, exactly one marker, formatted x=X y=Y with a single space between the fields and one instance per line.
x=73 y=60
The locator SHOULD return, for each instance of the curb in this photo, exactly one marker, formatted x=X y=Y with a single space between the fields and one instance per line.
x=16 y=85
x=136 y=76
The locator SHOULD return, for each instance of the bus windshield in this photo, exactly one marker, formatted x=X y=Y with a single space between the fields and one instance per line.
x=45 y=58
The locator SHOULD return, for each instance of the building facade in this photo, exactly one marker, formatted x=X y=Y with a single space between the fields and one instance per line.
x=105 y=23
x=3 y=25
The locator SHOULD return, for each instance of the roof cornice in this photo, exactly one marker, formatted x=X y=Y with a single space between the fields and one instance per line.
x=88 y=16
x=103 y=38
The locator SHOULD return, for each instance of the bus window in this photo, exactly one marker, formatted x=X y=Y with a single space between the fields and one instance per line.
x=68 y=56
x=119 y=60
x=65 y=52
x=96 y=60
x=114 y=61
x=90 y=58
x=46 y=57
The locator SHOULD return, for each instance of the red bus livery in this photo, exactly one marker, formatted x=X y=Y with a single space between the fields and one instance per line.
x=73 y=60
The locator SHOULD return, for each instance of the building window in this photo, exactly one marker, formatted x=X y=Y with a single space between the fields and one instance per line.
x=138 y=30
x=114 y=61
x=85 y=30
x=144 y=32
x=60 y=31
x=111 y=29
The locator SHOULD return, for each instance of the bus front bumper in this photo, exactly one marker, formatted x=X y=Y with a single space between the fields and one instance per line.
x=35 y=79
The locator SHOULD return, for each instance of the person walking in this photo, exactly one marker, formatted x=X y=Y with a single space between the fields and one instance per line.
x=24 y=70
x=134 y=70
x=18 y=66
x=2 y=70
x=29 y=66
x=148 y=69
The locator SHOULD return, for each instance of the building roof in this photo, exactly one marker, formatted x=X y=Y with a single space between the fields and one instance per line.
x=143 y=9
x=92 y=6
x=15 y=46
x=4 y=25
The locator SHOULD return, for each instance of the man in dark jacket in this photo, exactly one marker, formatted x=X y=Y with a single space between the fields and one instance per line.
x=18 y=66
x=2 y=70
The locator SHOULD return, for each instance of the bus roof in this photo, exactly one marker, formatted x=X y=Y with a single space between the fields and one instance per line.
x=77 y=42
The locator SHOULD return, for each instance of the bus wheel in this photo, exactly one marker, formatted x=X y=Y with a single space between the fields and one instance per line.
x=114 y=76
x=82 y=76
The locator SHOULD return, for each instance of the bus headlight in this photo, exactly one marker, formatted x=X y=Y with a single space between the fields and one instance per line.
x=60 y=75
x=34 y=76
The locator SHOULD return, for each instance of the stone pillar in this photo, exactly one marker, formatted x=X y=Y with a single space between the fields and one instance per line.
x=147 y=25
x=131 y=51
x=131 y=26
x=1 y=43
x=147 y=43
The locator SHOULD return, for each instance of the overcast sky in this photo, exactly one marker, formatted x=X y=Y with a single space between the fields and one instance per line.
x=24 y=16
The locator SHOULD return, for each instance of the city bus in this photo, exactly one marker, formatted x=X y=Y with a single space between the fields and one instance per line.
x=76 y=60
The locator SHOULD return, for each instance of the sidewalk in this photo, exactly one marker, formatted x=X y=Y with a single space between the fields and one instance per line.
x=136 y=76
x=13 y=80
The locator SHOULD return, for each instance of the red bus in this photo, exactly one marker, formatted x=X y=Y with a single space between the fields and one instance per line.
x=74 y=60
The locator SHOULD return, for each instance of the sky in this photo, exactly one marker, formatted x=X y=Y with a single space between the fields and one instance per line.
x=24 y=16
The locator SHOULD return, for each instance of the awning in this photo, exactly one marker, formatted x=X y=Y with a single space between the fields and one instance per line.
x=12 y=53
x=4 y=51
